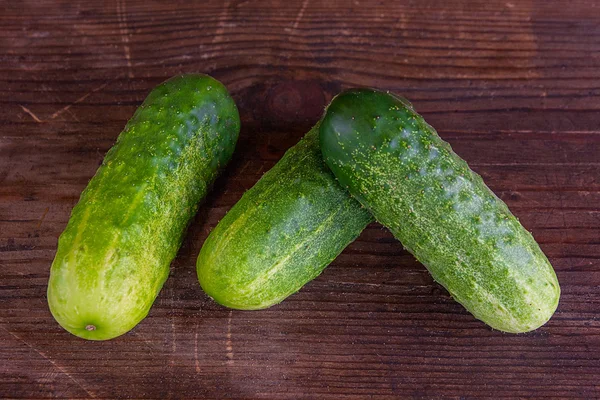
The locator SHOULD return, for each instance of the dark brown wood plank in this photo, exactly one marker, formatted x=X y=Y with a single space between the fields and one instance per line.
x=513 y=86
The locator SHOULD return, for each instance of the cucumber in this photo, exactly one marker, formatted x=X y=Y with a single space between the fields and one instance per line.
x=397 y=166
x=282 y=233
x=114 y=255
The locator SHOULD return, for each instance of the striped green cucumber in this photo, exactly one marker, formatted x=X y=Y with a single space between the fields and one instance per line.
x=282 y=233
x=397 y=166
x=115 y=252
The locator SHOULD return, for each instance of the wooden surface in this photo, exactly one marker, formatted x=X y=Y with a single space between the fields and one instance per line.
x=514 y=86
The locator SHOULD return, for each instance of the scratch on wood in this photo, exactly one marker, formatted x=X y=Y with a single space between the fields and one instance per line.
x=196 y=361
x=536 y=164
x=401 y=24
x=229 y=344
x=79 y=100
x=173 y=342
x=528 y=40
x=31 y=114
x=124 y=30
x=246 y=164
x=300 y=14
x=61 y=369
x=360 y=284
x=43 y=216
x=73 y=115
x=46 y=89
x=221 y=24
x=173 y=345
x=260 y=169
x=147 y=343
x=562 y=204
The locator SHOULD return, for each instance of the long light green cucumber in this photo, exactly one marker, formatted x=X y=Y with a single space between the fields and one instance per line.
x=282 y=233
x=114 y=255
x=397 y=166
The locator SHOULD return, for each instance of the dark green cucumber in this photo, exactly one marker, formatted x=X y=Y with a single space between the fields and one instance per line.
x=114 y=255
x=397 y=166
x=281 y=234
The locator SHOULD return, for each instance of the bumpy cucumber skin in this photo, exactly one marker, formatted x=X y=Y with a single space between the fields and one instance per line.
x=114 y=255
x=282 y=233
x=397 y=166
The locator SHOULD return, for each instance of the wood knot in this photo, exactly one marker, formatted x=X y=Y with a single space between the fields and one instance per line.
x=295 y=101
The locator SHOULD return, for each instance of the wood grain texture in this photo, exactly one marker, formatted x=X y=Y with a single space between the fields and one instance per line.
x=513 y=86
